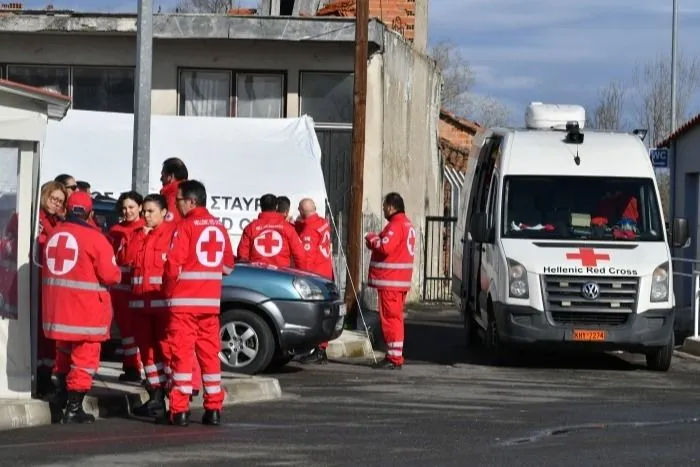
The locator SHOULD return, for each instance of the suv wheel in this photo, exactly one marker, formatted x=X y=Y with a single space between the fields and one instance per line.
x=247 y=342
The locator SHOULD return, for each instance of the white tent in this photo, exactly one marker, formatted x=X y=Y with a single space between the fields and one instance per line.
x=237 y=159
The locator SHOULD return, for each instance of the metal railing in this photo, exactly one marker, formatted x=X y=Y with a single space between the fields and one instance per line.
x=695 y=276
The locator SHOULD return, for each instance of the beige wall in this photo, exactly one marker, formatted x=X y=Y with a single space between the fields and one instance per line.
x=169 y=55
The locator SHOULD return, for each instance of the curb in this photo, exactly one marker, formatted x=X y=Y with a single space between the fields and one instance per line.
x=691 y=346
x=110 y=398
x=350 y=344
x=23 y=413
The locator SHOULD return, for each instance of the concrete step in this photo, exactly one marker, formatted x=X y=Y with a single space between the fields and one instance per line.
x=110 y=397
x=691 y=346
x=350 y=344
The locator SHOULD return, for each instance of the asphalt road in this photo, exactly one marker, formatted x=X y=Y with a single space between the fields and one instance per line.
x=444 y=408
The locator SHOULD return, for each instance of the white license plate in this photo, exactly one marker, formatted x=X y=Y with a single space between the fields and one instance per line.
x=342 y=310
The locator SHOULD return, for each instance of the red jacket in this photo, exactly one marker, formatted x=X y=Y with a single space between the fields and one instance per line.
x=270 y=239
x=315 y=235
x=79 y=266
x=47 y=224
x=119 y=235
x=8 y=269
x=393 y=254
x=200 y=253
x=170 y=193
x=145 y=254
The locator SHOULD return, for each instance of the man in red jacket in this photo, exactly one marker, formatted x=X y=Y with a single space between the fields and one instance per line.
x=390 y=272
x=76 y=309
x=315 y=235
x=200 y=253
x=270 y=239
x=173 y=173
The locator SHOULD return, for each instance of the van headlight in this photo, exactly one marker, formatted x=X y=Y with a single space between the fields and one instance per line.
x=517 y=280
x=659 y=284
x=308 y=290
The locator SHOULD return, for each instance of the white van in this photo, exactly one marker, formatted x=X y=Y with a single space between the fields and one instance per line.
x=561 y=240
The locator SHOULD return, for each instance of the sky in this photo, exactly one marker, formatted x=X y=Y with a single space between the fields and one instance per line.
x=536 y=50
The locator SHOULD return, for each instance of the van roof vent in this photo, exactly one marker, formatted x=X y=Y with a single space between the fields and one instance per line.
x=539 y=116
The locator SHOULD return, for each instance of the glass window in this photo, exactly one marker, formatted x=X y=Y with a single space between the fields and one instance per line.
x=103 y=89
x=205 y=93
x=259 y=96
x=596 y=208
x=9 y=180
x=52 y=78
x=327 y=97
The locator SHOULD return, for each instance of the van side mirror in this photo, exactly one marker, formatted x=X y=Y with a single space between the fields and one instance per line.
x=479 y=228
x=680 y=233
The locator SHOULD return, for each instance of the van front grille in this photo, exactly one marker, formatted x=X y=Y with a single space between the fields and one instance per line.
x=614 y=294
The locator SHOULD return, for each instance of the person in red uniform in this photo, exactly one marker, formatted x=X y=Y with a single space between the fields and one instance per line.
x=51 y=208
x=271 y=239
x=200 y=253
x=390 y=272
x=8 y=268
x=129 y=208
x=173 y=173
x=145 y=256
x=315 y=235
x=77 y=309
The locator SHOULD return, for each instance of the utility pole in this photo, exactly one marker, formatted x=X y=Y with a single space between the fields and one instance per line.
x=142 y=108
x=674 y=65
x=354 y=245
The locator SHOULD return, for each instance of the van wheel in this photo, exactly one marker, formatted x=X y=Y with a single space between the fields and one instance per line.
x=495 y=347
x=659 y=359
x=471 y=332
x=247 y=342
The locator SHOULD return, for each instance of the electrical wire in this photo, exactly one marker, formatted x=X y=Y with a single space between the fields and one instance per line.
x=341 y=254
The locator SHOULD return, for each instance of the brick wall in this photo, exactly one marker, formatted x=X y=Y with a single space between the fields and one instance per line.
x=399 y=15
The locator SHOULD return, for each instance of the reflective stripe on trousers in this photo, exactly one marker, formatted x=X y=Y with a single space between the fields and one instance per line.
x=212 y=302
x=212 y=383
x=380 y=265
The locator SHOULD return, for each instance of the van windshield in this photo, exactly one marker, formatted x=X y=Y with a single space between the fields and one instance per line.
x=595 y=208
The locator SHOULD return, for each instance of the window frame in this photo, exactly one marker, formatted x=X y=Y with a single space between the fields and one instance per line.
x=233 y=81
x=5 y=72
x=319 y=124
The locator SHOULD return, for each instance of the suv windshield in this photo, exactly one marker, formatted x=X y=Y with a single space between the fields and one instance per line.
x=596 y=208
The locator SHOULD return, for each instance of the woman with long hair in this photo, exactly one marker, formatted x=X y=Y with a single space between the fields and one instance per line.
x=146 y=254
x=52 y=201
x=129 y=208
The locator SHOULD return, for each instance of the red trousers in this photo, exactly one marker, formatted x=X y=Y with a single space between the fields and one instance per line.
x=125 y=319
x=391 y=304
x=197 y=338
x=79 y=361
x=150 y=334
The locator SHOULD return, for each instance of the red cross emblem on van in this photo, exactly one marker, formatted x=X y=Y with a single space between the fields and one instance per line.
x=588 y=257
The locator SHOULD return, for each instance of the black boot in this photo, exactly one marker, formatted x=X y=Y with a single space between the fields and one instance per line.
x=386 y=365
x=131 y=375
x=154 y=406
x=74 y=409
x=211 y=417
x=180 y=419
x=44 y=385
x=59 y=398
x=317 y=356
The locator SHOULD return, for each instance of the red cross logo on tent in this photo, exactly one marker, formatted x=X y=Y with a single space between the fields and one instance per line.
x=588 y=257
x=411 y=241
x=210 y=247
x=325 y=245
x=268 y=243
x=61 y=253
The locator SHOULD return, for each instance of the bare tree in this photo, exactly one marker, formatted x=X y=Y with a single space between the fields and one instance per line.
x=205 y=6
x=663 y=180
x=488 y=111
x=609 y=110
x=457 y=75
x=653 y=83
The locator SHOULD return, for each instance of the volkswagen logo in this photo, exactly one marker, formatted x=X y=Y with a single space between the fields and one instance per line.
x=590 y=291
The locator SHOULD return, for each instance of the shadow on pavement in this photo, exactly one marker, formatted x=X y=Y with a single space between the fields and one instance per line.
x=440 y=340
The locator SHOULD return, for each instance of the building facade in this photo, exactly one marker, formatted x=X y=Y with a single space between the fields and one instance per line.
x=252 y=66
